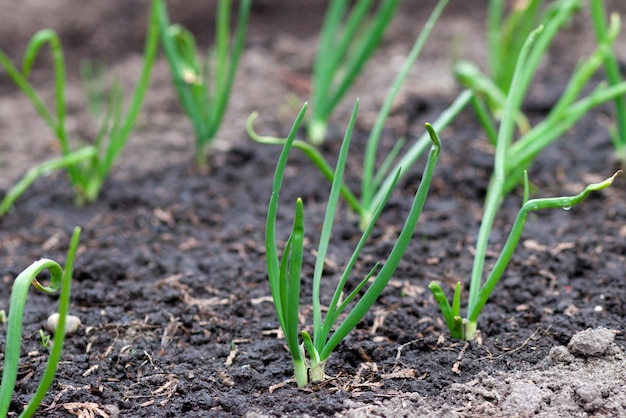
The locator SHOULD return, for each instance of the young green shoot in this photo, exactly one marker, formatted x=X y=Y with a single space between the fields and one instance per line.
x=64 y=162
x=87 y=170
x=204 y=86
x=347 y=41
x=614 y=78
x=284 y=273
x=375 y=182
x=480 y=290
x=60 y=281
x=44 y=340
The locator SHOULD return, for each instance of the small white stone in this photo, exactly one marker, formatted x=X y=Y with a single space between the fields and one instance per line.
x=71 y=323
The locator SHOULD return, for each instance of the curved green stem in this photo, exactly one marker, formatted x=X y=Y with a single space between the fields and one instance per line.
x=59 y=279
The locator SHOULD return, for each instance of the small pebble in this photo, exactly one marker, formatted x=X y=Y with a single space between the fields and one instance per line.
x=560 y=354
x=591 y=342
x=589 y=393
x=71 y=324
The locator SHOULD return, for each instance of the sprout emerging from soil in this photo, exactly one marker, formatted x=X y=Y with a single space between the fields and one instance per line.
x=285 y=274
x=87 y=166
x=342 y=53
x=503 y=173
x=466 y=328
x=376 y=181
x=204 y=86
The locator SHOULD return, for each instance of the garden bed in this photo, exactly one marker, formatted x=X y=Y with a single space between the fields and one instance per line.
x=170 y=278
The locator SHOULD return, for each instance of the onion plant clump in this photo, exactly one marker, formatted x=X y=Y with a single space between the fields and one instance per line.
x=491 y=93
x=87 y=166
x=480 y=289
x=204 y=85
x=60 y=281
x=465 y=328
x=285 y=277
x=377 y=178
x=347 y=41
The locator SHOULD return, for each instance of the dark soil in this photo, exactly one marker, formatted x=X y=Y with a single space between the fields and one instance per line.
x=170 y=281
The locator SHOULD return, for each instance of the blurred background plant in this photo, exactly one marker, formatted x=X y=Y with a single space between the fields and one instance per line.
x=614 y=77
x=88 y=165
x=491 y=92
x=92 y=76
x=347 y=41
x=204 y=84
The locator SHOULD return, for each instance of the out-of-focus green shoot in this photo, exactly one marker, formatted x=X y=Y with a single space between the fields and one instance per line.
x=87 y=168
x=572 y=105
x=92 y=76
x=506 y=35
x=347 y=41
x=204 y=85
x=614 y=78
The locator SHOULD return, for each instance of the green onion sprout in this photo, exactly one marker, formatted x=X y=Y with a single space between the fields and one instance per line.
x=285 y=274
x=490 y=93
x=613 y=76
x=375 y=183
x=204 y=86
x=342 y=53
x=87 y=169
x=480 y=290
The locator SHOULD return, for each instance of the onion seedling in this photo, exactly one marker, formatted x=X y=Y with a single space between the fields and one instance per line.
x=60 y=280
x=480 y=290
x=204 y=86
x=285 y=274
x=614 y=78
x=466 y=328
x=87 y=168
x=568 y=110
x=374 y=183
x=346 y=44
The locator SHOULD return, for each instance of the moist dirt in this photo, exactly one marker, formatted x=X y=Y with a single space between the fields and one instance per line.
x=170 y=281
